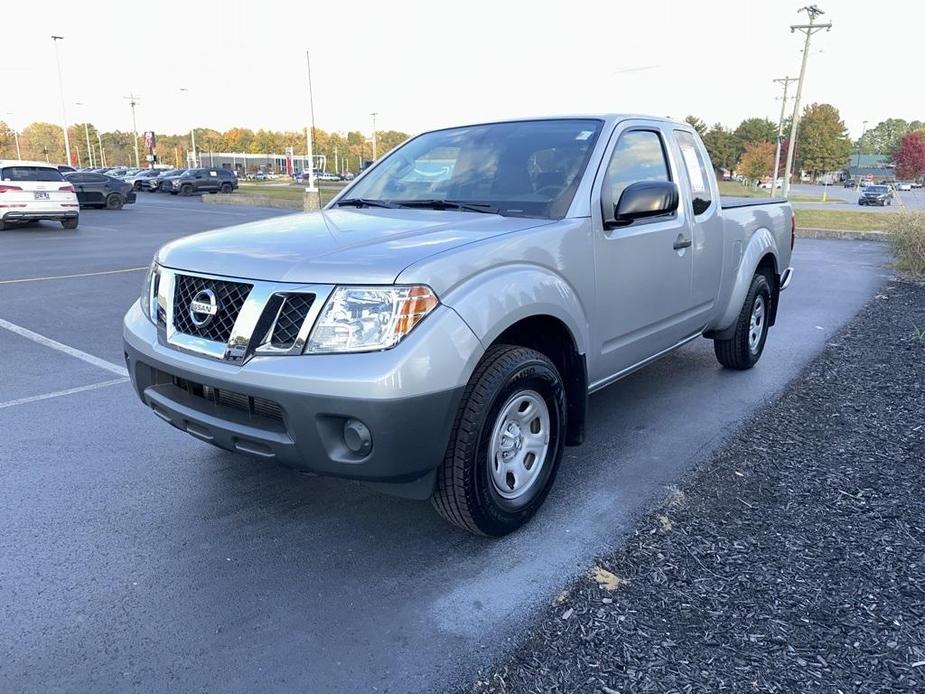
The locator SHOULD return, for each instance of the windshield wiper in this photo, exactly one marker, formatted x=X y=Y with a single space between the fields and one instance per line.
x=364 y=202
x=439 y=204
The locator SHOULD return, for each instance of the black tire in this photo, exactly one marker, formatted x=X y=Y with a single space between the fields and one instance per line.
x=136 y=186
x=3 y=225
x=114 y=201
x=70 y=223
x=739 y=352
x=465 y=493
x=226 y=188
x=186 y=190
x=173 y=192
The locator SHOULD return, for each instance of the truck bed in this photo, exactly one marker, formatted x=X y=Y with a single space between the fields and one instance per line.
x=729 y=203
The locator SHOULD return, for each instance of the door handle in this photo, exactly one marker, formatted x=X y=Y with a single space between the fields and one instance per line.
x=682 y=243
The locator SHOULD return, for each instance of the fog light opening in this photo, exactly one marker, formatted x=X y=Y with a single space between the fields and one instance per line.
x=357 y=437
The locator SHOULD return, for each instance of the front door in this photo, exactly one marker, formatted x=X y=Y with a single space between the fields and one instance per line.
x=642 y=270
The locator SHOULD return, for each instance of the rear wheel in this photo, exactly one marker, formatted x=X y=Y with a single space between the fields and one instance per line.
x=743 y=350
x=114 y=201
x=70 y=223
x=506 y=443
x=226 y=188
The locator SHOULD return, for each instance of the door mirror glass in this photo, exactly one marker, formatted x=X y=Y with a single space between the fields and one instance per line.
x=645 y=199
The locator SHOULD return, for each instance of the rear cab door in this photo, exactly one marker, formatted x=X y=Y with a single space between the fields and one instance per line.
x=700 y=194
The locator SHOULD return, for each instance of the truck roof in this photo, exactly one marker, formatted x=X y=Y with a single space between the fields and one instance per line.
x=606 y=117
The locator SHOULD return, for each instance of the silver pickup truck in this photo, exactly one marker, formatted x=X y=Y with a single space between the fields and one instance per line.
x=435 y=331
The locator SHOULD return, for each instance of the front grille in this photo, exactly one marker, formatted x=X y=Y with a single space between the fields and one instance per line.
x=253 y=405
x=230 y=297
x=291 y=317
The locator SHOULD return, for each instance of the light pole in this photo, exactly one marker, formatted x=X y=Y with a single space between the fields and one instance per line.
x=133 y=100
x=375 y=153
x=87 y=134
x=809 y=30
x=192 y=134
x=99 y=138
x=310 y=131
x=67 y=142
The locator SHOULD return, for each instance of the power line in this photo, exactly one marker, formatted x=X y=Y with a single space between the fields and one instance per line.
x=808 y=29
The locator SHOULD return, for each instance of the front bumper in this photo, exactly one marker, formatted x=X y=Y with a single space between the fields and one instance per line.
x=293 y=409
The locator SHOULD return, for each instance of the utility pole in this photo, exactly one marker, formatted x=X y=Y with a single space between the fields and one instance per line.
x=808 y=29
x=375 y=153
x=67 y=141
x=133 y=100
x=16 y=137
x=780 y=130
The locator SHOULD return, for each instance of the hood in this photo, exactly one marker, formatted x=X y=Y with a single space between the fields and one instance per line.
x=338 y=246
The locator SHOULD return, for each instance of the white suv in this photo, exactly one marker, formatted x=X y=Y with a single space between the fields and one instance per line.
x=35 y=190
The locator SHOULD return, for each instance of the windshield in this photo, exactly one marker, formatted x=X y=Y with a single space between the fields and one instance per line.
x=875 y=189
x=30 y=173
x=526 y=168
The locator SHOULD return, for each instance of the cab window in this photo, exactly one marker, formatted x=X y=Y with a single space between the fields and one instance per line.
x=697 y=171
x=638 y=156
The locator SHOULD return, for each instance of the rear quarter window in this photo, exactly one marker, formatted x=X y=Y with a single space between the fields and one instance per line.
x=698 y=173
x=30 y=173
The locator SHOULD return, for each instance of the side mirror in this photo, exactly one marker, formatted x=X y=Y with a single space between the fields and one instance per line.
x=644 y=199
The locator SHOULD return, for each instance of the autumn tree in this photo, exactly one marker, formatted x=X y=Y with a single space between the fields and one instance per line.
x=910 y=155
x=752 y=131
x=823 y=139
x=697 y=125
x=721 y=146
x=757 y=161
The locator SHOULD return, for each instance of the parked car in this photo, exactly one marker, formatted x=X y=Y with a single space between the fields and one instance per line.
x=328 y=176
x=31 y=191
x=163 y=182
x=437 y=330
x=211 y=180
x=100 y=190
x=64 y=168
x=766 y=185
x=850 y=183
x=876 y=195
x=903 y=185
x=116 y=172
x=139 y=181
x=916 y=184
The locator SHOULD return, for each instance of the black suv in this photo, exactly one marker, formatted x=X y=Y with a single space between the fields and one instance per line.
x=204 y=181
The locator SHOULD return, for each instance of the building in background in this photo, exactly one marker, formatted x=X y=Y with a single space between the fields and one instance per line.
x=245 y=163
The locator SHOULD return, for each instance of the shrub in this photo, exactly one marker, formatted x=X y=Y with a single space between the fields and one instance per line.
x=907 y=232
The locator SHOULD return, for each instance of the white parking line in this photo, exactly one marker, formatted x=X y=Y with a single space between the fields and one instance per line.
x=68 y=277
x=59 y=393
x=71 y=351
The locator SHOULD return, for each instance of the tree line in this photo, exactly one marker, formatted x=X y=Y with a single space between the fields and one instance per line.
x=822 y=144
x=45 y=142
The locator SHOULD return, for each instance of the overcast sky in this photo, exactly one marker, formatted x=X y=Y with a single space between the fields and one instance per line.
x=428 y=64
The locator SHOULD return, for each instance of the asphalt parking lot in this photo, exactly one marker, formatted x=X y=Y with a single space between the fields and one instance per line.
x=841 y=198
x=135 y=558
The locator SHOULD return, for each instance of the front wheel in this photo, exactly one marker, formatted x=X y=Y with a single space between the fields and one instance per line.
x=226 y=188
x=186 y=190
x=743 y=350
x=506 y=443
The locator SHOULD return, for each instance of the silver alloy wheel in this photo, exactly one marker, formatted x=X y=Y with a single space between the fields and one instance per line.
x=756 y=324
x=519 y=444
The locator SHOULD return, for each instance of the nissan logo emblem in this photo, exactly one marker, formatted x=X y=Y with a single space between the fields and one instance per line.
x=203 y=307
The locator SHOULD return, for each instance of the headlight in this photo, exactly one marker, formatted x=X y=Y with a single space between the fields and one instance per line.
x=149 y=291
x=364 y=319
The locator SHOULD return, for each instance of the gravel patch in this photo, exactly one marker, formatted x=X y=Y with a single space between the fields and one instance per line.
x=793 y=561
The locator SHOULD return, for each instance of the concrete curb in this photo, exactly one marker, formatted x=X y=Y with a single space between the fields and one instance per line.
x=246 y=200
x=813 y=233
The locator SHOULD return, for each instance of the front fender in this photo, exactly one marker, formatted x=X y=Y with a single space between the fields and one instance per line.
x=492 y=301
x=759 y=245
